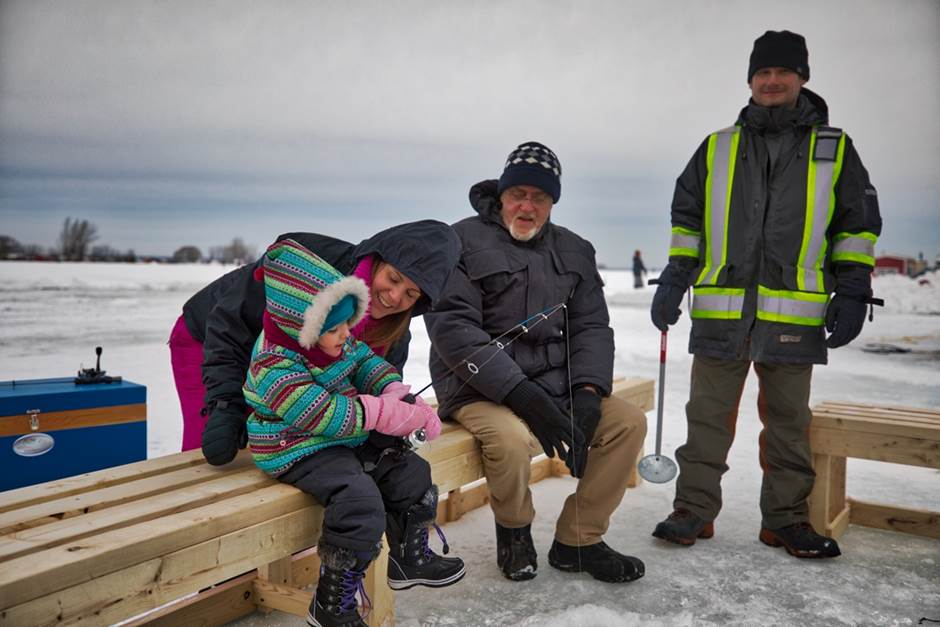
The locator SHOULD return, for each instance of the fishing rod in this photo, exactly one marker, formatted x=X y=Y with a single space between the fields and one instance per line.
x=523 y=328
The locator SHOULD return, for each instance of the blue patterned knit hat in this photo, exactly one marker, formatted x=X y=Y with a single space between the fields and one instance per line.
x=307 y=296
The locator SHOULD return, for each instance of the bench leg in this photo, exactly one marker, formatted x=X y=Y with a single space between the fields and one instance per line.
x=827 y=504
x=277 y=573
x=376 y=585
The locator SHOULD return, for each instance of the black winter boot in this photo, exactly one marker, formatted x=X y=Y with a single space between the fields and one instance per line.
x=411 y=562
x=800 y=540
x=341 y=572
x=598 y=560
x=515 y=552
x=683 y=527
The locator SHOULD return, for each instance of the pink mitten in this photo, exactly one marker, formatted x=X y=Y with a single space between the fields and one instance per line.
x=396 y=390
x=389 y=416
x=432 y=422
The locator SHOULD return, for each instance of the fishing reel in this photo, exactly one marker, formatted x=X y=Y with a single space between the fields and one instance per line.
x=88 y=376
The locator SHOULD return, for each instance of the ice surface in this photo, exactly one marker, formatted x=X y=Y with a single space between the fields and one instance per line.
x=53 y=315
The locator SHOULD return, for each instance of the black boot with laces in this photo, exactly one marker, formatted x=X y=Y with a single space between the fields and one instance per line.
x=341 y=572
x=515 y=552
x=411 y=562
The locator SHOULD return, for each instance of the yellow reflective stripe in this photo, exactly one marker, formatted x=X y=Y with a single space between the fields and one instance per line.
x=718 y=183
x=808 y=220
x=721 y=303
x=836 y=171
x=685 y=242
x=803 y=308
x=707 y=220
x=684 y=231
x=857 y=247
x=821 y=179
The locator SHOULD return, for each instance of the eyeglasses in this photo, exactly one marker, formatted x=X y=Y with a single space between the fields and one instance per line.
x=538 y=198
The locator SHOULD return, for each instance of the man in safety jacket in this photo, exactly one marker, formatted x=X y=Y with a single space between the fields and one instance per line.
x=770 y=217
x=522 y=356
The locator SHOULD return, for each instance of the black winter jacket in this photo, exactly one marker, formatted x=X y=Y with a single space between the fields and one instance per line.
x=226 y=314
x=766 y=231
x=498 y=283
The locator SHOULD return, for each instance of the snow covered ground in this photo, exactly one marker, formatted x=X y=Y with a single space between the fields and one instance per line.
x=53 y=315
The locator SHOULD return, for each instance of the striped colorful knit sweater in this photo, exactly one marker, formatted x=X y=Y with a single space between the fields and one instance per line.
x=302 y=399
x=300 y=408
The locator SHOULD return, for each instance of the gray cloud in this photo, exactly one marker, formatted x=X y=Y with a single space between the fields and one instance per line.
x=208 y=120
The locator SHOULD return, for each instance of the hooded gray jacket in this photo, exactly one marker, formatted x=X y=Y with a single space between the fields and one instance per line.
x=498 y=283
x=766 y=228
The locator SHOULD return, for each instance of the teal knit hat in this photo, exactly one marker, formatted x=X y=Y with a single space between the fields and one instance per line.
x=306 y=296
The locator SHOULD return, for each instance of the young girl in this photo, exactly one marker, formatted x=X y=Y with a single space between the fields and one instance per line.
x=317 y=395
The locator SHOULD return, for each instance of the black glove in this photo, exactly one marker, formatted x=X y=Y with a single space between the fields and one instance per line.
x=587 y=415
x=225 y=432
x=673 y=282
x=546 y=421
x=845 y=316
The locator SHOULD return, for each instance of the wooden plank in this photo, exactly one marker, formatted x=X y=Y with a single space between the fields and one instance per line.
x=376 y=587
x=74 y=419
x=306 y=568
x=904 y=410
x=456 y=472
x=840 y=523
x=21 y=497
x=82 y=503
x=874 y=425
x=154 y=507
x=228 y=601
x=30 y=576
x=281 y=598
x=919 y=522
x=879 y=447
x=150 y=584
x=221 y=604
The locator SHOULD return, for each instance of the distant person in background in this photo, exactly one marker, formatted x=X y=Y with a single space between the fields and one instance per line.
x=639 y=270
x=549 y=390
x=770 y=217
x=316 y=395
x=405 y=267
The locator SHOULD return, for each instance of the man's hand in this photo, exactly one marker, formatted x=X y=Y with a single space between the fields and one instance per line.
x=673 y=282
x=546 y=421
x=587 y=415
x=225 y=432
x=844 y=319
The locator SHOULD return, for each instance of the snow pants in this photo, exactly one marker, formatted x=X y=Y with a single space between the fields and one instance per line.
x=186 y=359
x=508 y=450
x=785 y=457
x=355 y=501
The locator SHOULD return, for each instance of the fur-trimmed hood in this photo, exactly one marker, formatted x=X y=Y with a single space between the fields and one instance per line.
x=301 y=289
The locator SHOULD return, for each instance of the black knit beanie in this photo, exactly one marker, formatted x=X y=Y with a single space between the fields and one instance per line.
x=779 y=49
x=532 y=164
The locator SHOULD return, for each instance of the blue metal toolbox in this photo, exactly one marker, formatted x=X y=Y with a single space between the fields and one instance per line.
x=54 y=428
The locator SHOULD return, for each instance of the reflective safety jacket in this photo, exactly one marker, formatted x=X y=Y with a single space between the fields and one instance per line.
x=763 y=217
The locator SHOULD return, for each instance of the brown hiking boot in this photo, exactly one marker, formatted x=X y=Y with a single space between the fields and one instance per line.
x=800 y=540
x=683 y=527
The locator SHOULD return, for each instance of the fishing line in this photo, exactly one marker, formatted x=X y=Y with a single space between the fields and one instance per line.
x=474 y=368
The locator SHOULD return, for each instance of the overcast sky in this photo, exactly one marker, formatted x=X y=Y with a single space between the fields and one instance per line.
x=181 y=122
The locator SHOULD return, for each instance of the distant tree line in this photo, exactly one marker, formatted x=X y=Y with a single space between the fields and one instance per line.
x=75 y=244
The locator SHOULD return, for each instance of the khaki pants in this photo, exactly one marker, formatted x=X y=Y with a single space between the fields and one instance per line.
x=785 y=457
x=508 y=449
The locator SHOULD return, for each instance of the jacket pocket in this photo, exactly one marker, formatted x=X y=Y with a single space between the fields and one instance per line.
x=496 y=270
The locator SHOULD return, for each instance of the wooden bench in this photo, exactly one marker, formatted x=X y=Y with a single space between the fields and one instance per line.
x=175 y=541
x=902 y=435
